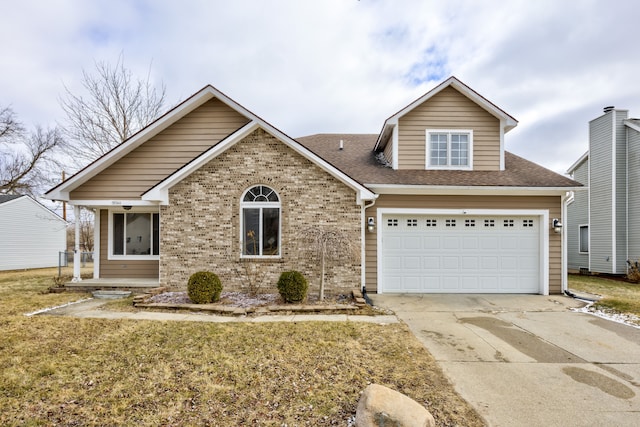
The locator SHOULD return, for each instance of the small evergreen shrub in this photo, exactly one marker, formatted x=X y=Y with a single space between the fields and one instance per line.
x=204 y=287
x=292 y=286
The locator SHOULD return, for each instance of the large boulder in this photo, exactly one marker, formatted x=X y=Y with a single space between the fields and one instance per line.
x=380 y=406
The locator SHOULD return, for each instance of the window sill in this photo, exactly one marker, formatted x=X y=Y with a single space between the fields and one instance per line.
x=133 y=258
x=275 y=259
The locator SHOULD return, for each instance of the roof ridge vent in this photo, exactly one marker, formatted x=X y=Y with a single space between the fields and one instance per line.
x=608 y=109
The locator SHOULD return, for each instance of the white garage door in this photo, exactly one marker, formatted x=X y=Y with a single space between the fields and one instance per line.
x=460 y=253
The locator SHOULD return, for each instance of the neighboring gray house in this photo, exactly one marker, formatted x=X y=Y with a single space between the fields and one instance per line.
x=30 y=234
x=603 y=223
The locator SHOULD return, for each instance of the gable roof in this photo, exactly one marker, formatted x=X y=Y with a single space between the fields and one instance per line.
x=358 y=157
x=7 y=199
x=507 y=120
x=159 y=192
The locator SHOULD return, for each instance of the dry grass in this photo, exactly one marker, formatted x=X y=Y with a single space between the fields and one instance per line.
x=619 y=296
x=70 y=371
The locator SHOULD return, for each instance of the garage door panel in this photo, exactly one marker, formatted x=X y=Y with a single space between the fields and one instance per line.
x=489 y=262
x=509 y=243
x=470 y=262
x=450 y=263
x=431 y=262
x=437 y=253
x=412 y=263
x=470 y=284
x=412 y=243
x=451 y=242
x=470 y=243
x=451 y=283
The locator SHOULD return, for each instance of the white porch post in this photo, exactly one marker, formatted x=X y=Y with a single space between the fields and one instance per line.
x=76 y=246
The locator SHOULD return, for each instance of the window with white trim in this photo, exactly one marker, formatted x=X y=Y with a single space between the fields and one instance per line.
x=134 y=235
x=449 y=149
x=260 y=207
x=583 y=239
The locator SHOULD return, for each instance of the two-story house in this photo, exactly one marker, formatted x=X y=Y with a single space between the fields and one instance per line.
x=602 y=231
x=434 y=202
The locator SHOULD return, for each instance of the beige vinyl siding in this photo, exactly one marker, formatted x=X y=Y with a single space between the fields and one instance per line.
x=388 y=152
x=163 y=154
x=551 y=203
x=122 y=269
x=449 y=109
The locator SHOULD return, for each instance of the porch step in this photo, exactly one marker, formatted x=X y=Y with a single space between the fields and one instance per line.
x=133 y=285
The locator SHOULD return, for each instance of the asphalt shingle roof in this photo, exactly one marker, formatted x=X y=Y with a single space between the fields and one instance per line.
x=358 y=160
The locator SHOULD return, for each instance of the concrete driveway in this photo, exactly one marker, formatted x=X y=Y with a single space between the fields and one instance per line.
x=527 y=360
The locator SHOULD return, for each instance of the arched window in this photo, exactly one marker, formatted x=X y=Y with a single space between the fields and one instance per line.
x=260 y=206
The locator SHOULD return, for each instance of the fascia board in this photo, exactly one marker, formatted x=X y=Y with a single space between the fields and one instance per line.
x=468 y=190
x=111 y=203
x=578 y=162
x=61 y=192
x=508 y=121
x=39 y=205
x=160 y=193
x=632 y=125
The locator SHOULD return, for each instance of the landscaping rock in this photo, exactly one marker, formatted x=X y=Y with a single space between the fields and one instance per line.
x=380 y=406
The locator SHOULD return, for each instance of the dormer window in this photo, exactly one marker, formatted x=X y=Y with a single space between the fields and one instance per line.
x=449 y=149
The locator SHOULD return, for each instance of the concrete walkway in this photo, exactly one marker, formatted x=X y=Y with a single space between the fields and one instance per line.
x=92 y=308
x=528 y=360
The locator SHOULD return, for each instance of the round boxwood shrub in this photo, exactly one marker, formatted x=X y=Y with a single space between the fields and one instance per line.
x=292 y=286
x=204 y=287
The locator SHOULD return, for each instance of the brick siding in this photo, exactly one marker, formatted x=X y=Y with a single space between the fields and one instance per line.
x=200 y=228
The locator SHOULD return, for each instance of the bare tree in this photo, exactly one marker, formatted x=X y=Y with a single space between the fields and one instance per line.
x=328 y=244
x=85 y=221
x=26 y=159
x=116 y=106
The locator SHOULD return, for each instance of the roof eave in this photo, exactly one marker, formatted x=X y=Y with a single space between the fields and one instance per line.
x=578 y=162
x=468 y=190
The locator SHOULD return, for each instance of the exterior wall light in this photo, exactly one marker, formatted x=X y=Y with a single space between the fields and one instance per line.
x=371 y=224
x=557 y=225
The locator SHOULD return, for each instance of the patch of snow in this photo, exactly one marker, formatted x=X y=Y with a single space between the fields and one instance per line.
x=383 y=160
x=627 y=319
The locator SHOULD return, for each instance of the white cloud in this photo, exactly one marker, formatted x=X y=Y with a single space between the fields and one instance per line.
x=341 y=65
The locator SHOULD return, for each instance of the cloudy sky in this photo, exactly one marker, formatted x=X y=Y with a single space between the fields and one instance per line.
x=340 y=65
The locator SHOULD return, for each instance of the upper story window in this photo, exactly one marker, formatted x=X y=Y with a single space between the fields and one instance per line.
x=260 y=206
x=449 y=149
x=134 y=235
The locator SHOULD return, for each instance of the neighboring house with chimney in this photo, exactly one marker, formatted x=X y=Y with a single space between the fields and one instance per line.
x=603 y=222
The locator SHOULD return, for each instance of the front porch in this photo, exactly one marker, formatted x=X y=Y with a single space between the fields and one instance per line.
x=134 y=285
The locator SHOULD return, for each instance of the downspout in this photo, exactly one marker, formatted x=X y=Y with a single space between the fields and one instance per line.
x=363 y=231
x=76 y=247
x=563 y=256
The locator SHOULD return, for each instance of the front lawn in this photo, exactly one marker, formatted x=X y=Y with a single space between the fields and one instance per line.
x=71 y=371
x=618 y=296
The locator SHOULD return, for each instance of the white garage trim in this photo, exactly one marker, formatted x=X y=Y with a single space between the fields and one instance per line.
x=543 y=242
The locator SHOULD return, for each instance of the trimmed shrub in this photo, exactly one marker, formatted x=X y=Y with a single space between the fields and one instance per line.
x=204 y=287
x=292 y=286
